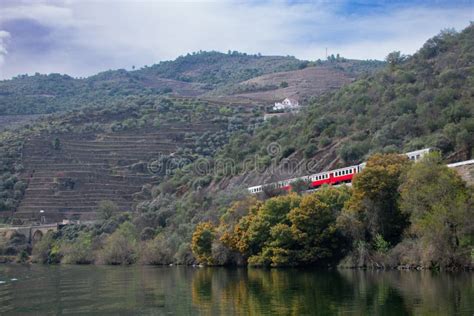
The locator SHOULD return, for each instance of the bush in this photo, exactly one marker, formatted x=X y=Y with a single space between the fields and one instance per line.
x=107 y=209
x=78 y=251
x=121 y=246
x=310 y=150
x=284 y=84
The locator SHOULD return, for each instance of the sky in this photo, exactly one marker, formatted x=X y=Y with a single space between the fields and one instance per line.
x=84 y=37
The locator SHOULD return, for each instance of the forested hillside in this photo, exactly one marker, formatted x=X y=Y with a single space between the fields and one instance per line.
x=190 y=76
x=424 y=100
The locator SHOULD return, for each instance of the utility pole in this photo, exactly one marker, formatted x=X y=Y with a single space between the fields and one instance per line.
x=326 y=53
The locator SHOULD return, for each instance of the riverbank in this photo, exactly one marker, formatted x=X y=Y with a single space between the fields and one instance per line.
x=342 y=266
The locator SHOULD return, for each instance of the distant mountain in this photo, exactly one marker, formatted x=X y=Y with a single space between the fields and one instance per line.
x=190 y=76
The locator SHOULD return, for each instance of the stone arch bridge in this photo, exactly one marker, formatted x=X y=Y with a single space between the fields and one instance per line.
x=32 y=233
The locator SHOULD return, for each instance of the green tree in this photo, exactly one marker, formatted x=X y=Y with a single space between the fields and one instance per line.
x=300 y=186
x=253 y=230
x=78 y=251
x=314 y=226
x=373 y=208
x=121 y=246
x=107 y=209
x=46 y=250
x=440 y=206
x=394 y=59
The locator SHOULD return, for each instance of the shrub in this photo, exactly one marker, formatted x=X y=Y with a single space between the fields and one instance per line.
x=121 y=246
x=107 y=209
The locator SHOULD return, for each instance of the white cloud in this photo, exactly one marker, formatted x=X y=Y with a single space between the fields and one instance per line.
x=90 y=36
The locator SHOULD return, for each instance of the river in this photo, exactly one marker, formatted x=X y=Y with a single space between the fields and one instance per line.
x=147 y=290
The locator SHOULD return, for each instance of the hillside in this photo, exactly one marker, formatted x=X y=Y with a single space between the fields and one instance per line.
x=68 y=164
x=299 y=84
x=214 y=148
x=192 y=75
x=189 y=75
x=311 y=80
x=425 y=100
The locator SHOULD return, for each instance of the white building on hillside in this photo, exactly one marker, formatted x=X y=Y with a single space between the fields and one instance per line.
x=287 y=105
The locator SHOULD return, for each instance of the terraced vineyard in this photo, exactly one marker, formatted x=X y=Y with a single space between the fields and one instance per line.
x=69 y=175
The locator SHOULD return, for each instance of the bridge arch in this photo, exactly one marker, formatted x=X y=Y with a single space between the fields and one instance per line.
x=37 y=236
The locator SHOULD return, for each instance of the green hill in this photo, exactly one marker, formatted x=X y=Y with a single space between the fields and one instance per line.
x=425 y=100
x=190 y=76
x=70 y=162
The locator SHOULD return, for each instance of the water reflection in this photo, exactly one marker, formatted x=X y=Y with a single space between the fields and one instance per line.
x=104 y=290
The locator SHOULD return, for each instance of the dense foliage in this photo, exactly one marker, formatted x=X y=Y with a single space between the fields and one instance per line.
x=372 y=223
x=11 y=187
x=318 y=228
x=214 y=68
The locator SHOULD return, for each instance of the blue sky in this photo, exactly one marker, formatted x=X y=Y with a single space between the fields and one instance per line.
x=83 y=37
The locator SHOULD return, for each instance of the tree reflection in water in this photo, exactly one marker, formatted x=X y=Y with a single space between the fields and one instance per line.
x=320 y=292
x=138 y=290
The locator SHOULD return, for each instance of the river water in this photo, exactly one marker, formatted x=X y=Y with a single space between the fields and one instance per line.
x=138 y=290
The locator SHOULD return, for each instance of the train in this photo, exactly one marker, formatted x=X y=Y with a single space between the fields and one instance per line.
x=332 y=177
